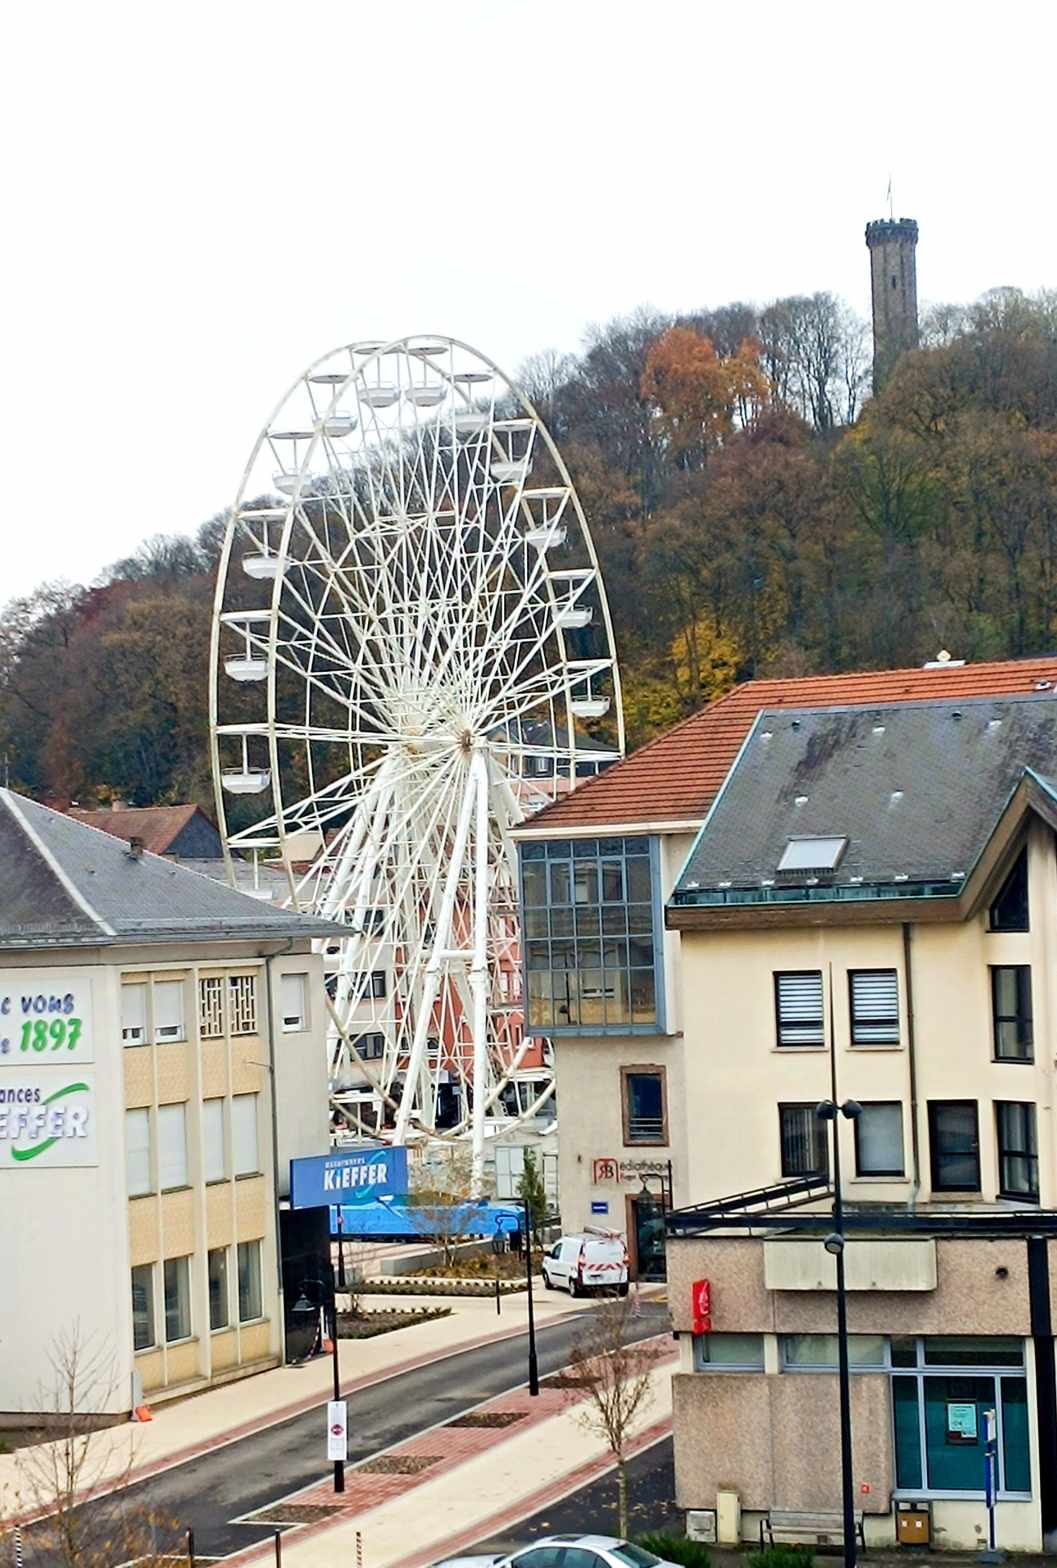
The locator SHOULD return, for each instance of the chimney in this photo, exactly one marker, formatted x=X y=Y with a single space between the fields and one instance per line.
x=135 y=848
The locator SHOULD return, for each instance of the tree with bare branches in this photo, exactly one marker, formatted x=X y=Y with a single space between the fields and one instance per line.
x=613 y=1371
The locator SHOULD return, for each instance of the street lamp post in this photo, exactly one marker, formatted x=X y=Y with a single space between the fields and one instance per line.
x=534 y=1371
x=339 y=1464
x=828 y=1111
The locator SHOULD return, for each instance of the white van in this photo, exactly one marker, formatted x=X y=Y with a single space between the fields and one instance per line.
x=592 y=1260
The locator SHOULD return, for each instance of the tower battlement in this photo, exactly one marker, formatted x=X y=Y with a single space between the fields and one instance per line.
x=883 y=231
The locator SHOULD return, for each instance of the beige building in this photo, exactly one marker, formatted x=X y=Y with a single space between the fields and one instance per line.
x=605 y=976
x=162 y=1058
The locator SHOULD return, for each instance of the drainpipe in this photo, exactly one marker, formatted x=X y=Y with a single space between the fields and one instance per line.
x=915 y=1137
x=275 y=1136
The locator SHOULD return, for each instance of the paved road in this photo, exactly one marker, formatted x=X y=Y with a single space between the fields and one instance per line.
x=212 y=1490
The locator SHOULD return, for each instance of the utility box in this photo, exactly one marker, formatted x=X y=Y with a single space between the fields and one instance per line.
x=701 y=1525
x=728 y=1518
x=914 y=1524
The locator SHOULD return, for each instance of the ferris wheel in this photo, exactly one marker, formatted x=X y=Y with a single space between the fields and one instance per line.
x=411 y=651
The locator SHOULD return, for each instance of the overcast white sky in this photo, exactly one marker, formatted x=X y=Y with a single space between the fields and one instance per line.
x=202 y=198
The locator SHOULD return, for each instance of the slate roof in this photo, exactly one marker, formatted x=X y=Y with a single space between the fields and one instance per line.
x=65 y=884
x=675 y=777
x=157 y=826
x=915 y=788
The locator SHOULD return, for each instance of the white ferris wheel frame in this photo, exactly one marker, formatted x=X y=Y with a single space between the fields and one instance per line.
x=475 y=838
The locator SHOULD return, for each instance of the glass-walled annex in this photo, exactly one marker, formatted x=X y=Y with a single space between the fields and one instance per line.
x=592 y=926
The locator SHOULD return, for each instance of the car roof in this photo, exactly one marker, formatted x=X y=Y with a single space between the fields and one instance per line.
x=581 y=1540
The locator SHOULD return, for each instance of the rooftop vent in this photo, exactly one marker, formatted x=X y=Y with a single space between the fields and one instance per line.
x=135 y=848
x=943 y=661
x=812 y=854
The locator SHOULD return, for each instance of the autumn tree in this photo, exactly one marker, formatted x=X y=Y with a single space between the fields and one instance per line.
x=698 y=396
x=613 y=1370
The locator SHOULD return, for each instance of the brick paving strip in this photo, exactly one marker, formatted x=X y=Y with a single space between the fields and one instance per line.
x=431 y=1454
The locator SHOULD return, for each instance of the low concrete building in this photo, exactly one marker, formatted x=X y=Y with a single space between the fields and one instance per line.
x=162 y=1058
x=949 y=1318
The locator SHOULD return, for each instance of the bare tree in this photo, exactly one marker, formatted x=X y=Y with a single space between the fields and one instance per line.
x=76 y=1483
x=615 y=1374
x=442 y=1201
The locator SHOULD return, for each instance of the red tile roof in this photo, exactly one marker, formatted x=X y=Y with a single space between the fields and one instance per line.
x=674 y=778
x=157 y=826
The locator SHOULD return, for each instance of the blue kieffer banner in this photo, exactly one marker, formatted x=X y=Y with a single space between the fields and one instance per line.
x=347 y=1176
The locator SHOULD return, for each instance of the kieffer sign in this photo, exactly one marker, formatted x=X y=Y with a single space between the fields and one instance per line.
x=347 y=1176
x=701 y=1306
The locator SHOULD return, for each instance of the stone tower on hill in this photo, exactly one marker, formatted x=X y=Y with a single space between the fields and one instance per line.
x=894 y=287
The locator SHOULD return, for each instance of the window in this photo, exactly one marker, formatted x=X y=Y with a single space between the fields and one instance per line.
x=954 y=1144
x=169 y=1010
x=643 y=1104
x=1011 y=1007
x=592 y=936
x=214 y=1160
x=242 y=990
x=172 y=1147
x=245 y=1148
x=143 y=1306
x=133 y=1014
x=1018 y=1154
x=219 y=1305
x=874 y=1006
x=177 y=1299
x=293 y=1003
x=1009 y=912
x=728 y=1352
x=211 y=1007
x=137 y=1152
x=812 y=854
x=939 y=1417
x=798 y=1008
x=370 y=1046
x=819 y=1351
x=249 y=1281
x=363 y=985
x=803 y=1136
x=879 y=1139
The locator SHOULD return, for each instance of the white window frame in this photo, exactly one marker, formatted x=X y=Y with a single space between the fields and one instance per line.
x=212 y=1007
x=186 y=1275
x=212 y=1114
x=172 y=1146
x=240 y=1111
x=242 y=1003
x=293 y=1008
x=134 y=1018
x=219 y=1328
x=175 y=1028
x=138 y=1117
x=260 y=1314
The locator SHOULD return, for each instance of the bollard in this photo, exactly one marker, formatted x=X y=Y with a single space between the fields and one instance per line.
x=191 y=1549
x=498 y=1297
x=278 y=1549
x=18 y=1547
x=359 y=1550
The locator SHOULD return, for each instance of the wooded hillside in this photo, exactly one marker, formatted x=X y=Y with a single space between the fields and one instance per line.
x=753 y=515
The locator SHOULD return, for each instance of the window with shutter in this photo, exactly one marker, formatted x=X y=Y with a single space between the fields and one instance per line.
x=246 y=1159
x=137 y=1152
x=874 y=997
x=172 y=1146
x=134 y=1014
x=211 y=1007
x=169 y=1010
x=798 y=1005
x=215 y=1166
x=293 y=1002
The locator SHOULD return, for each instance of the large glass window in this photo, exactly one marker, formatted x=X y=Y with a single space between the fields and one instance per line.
x=954 y=1144
x=879 y=1139
x=819 y=1351
x=644 y=1108
x=1011 y=1006
x=172 y=1147
x=590 y=929
x=219 y=1306
x=1009 y=912
x=249 y=1281
x=798 y=1007
x=245 y=1137
x=805 y=1150
x=1018 y=1152
x=143 y=1306
x=177 y=1299
x=728 y=1352
x=873 y=996
x=214 y=1160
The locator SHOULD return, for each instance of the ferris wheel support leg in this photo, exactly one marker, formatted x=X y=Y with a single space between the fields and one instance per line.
x=479 y=972
x=431 y=980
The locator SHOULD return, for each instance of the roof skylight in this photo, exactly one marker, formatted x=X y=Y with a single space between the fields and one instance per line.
x=812 y=854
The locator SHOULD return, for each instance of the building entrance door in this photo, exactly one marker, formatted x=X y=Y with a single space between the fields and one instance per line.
x=646 y=1234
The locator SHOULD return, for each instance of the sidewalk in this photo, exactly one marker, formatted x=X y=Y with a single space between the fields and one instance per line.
x=185 y=1428
x=452 y=1485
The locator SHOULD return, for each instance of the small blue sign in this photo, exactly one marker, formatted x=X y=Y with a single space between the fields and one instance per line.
x=347 y=1176
x=599 y=1206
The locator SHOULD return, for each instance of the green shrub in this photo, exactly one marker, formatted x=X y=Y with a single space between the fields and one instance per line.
x=784 y=1556
x=676 y=1549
